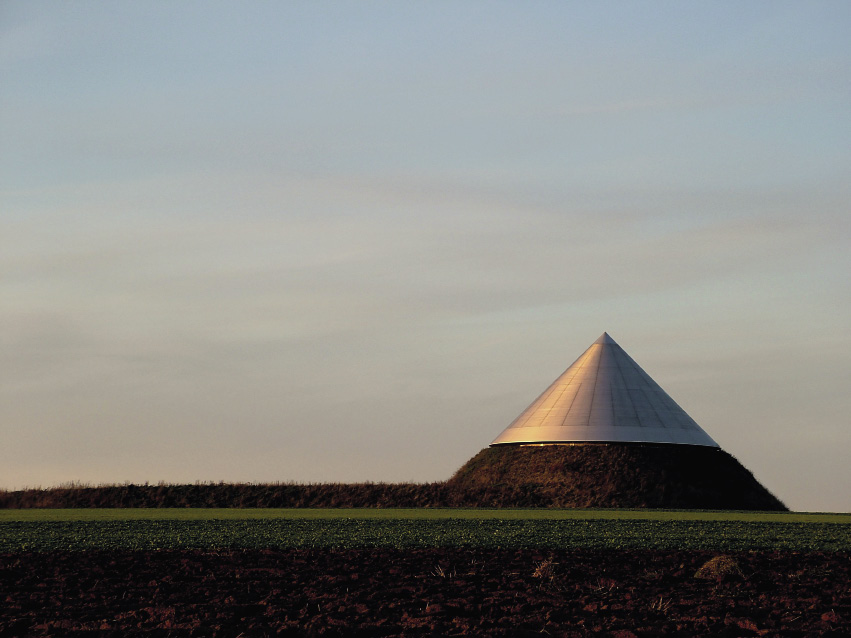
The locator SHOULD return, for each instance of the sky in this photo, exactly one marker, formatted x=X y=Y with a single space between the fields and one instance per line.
x=352 y=241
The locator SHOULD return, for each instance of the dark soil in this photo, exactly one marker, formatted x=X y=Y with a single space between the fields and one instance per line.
x=426 y=592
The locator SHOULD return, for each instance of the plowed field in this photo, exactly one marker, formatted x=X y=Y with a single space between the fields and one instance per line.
x=422 y=592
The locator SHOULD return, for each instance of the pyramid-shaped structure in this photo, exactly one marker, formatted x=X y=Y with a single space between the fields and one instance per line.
x=604 y=397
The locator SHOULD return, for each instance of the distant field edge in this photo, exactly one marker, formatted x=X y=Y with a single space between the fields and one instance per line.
x=203 y=514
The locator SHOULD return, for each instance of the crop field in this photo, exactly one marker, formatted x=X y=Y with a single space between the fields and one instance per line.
x=399 y=573
x=210 y=529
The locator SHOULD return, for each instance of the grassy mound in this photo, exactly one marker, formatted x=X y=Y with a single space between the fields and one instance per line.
x=646 y=476
x=229 y=495
x=619 y=476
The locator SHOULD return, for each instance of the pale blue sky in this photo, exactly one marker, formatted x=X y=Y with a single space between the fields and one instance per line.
x=352 y=241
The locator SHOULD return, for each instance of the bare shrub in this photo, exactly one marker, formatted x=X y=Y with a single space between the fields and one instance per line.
x=545 y=570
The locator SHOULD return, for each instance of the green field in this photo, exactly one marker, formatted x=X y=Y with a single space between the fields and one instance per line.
x=151 y=529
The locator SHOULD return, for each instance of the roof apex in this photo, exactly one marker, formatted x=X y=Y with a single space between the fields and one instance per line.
x=605 y=338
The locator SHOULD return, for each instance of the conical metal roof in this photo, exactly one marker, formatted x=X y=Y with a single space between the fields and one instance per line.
x=604 y=397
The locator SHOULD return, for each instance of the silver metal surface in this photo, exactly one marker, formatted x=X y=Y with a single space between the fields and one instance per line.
x=604 y=397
